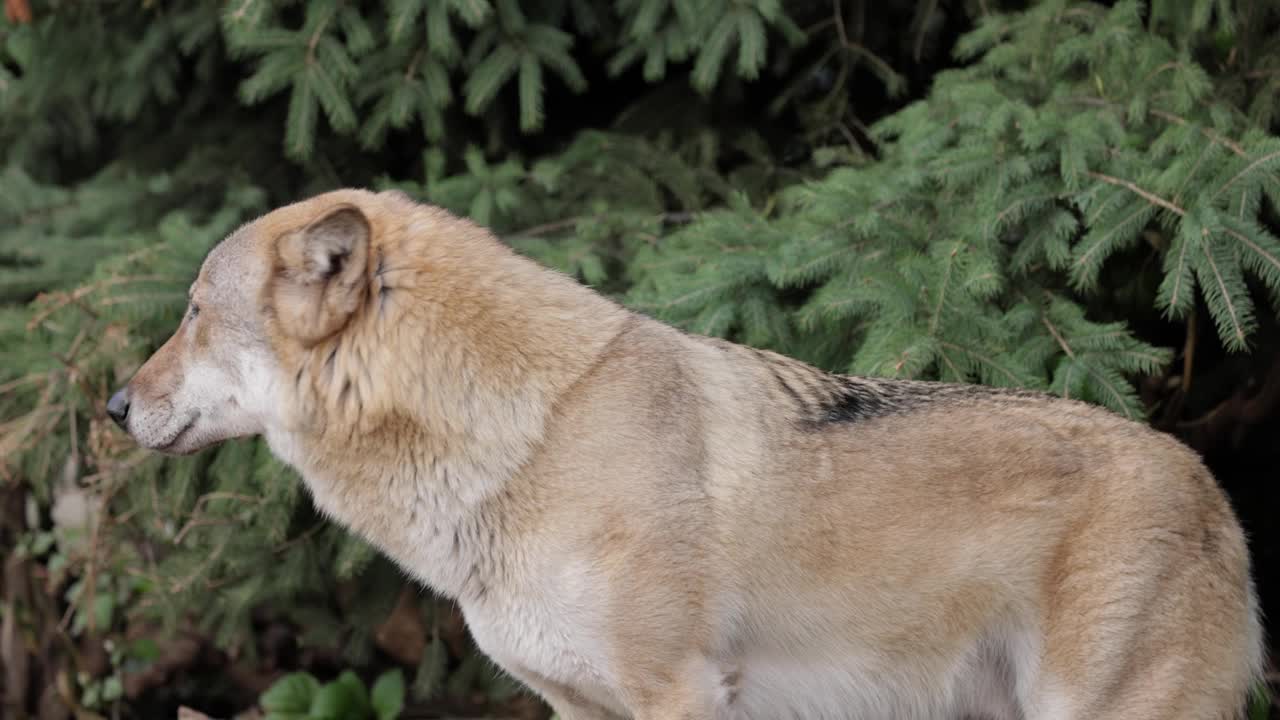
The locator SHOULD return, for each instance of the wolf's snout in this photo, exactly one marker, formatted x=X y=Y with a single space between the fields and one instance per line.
x=118 y=406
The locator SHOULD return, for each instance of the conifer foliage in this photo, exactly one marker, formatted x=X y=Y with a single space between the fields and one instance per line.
x=964 y=250
x=1064 y=195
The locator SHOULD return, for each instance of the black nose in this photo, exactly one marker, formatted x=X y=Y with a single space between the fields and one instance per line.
x=118 y=406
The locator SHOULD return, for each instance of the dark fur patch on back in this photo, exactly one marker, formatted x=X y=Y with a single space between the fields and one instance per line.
x=822 y=399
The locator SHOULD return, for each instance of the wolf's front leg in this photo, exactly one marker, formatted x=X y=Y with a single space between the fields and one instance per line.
x=694 y=689
x=565 y=709
x=565 y=702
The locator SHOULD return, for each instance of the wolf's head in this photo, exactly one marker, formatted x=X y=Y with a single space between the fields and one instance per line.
x=358 y=318
x=278 y=285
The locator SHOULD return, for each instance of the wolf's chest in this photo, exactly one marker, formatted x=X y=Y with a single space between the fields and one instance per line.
x=531 y=611
x=548 y=632
x=432 y=533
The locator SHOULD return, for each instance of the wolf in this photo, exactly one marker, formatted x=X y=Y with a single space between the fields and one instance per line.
x=642 y=523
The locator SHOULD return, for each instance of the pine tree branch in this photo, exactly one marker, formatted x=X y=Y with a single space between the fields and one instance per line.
x=1272 y=259
x=1115 y=391
x=856 y=48
x=26 y=420
x=1101 y=241
x=413 y=66
x=1247 y=169
x=1236 y=326
x=954 y=370
x=1165 y=67
x=157 y=297
x=300 y=538
x=1062 y=341
x=47 y=211
x=194 y=523
x=1177 y=194
x=1168 y=117
x=570 y=222
x=550 y=227
x=1177 y=275
x=76 y=296
x=315 y=36
x=182 y=584
x=1014 y=205
x=25 y=379
x=1144 y=194
x=942 y=290
x=136 y=458
x=985 y=359
x=819 y=261
x=931 y=6
x=696 y=292
x=1207 y=132
x=240 y=11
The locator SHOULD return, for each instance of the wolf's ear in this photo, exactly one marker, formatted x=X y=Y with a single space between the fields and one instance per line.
x=321 y=278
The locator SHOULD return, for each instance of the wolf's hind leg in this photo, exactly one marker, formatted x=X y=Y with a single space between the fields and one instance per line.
x=1162 y=626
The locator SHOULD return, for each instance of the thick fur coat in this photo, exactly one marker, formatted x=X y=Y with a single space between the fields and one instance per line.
x=641 y=523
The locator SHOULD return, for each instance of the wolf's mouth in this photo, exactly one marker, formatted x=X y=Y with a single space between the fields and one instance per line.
x=181 y=431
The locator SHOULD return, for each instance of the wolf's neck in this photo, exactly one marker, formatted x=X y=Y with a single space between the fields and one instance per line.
x=445 y=525
x=413 y=425
x=485 y=354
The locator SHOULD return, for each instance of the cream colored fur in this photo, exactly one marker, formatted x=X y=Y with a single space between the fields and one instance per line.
x=640 y=523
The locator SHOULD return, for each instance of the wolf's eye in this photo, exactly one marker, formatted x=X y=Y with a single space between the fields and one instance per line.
x=193 y=312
